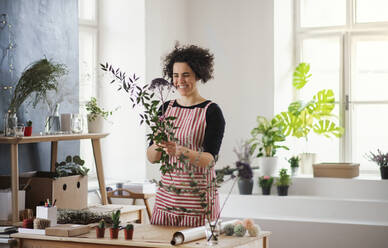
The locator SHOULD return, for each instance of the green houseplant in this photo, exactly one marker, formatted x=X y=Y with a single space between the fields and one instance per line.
x=315 y=115
x=114 y=230
x=294 y=164
x=265 y=138
x=283 y=182
x=265 y=182
x=128 y=231
x=381 y=159
x=96 y=115
x=38 y=78
x=71 y=166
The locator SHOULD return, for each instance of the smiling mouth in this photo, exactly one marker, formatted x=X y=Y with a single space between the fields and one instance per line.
x=182 y=86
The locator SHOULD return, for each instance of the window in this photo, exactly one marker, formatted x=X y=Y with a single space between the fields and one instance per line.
x=347 y=47
x=88 y=29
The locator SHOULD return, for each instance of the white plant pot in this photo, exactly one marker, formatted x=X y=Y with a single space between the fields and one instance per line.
x=306 y=162
x=268 y=165
x=96 y=126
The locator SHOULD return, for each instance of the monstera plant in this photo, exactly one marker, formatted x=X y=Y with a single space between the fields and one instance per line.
x=314 y=115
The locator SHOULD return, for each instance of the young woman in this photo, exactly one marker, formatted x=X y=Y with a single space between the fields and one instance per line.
x=200 y=129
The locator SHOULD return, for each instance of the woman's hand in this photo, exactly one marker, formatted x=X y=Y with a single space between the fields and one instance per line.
x=173 y=149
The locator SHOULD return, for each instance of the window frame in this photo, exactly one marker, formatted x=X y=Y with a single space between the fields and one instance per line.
x=345 y=33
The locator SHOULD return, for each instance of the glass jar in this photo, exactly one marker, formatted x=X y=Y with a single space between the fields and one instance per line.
x=10 y=122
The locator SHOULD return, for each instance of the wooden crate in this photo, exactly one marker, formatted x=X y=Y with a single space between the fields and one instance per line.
x=337 y=170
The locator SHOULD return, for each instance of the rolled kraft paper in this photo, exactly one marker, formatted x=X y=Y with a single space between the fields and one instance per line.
x=65 y=122
x=192 y=234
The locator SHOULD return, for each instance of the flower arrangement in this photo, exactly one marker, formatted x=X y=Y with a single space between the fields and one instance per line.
x=380 y=158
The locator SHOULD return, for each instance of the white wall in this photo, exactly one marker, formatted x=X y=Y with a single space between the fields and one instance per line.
x=166 y=22
x=122 y=43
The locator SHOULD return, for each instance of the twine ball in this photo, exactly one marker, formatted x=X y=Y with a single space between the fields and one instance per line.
x=229 y=229
x=254 y=231
x=248 y=223
x=239 y=230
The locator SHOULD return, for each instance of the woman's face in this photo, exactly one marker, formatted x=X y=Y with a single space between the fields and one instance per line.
x=184 y=79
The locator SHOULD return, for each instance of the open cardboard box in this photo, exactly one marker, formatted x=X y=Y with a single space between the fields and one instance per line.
x=338 y=170
x=69 y=192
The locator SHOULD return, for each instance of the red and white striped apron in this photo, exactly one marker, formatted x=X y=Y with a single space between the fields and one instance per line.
x=190 y=132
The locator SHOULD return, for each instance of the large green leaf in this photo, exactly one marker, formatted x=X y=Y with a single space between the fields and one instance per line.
x=323 y=103
x=301 y=75
x=328 y=129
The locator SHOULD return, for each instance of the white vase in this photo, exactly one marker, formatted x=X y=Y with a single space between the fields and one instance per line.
x=306 y=162
x=268 y=165
x=96 y=126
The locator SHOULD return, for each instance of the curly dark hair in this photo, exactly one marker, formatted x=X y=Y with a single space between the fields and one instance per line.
x=200 y=60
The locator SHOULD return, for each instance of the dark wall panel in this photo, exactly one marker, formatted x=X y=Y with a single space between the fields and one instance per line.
x=40 y=28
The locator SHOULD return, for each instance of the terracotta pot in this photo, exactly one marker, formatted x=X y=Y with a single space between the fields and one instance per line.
x=27 y=131
x=128 y=234
x=100 y=232
x=114 y=233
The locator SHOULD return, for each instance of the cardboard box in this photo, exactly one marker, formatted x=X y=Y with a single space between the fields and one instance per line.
x=6 y=203
x=338 y=170
x=70 y=192
x=67 y=230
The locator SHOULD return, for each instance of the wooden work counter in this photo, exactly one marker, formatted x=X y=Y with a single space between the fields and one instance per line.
x=15 y=141
x=144 y=236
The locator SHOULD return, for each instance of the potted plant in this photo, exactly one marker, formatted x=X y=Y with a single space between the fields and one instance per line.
x=114 y=230
x=128 y=231
x=28 y=129
x=381 y=159
x=294 y=164
x=314 y=115
x=100 y=229
x=265 y=138
x=265 y=182
x=283 y=182
x=96 y=116
x=71 y=166
x=38 y=78
x=243 y=166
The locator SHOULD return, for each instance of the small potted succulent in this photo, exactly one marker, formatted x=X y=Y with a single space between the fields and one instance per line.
x=128 y=231
x=294 y=164
x=265 y=183
x=381 y=159
x=283 y=182
x=100 y=229
x=114 y=230
x=28 y=129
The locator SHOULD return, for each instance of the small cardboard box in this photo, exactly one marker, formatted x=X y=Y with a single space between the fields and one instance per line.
x=338 y=170
x=67 y=230
x=69 y=192
x=6 y=203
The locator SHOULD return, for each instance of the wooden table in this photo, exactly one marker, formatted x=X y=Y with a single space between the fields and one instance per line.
x=15 y=141
x=139 y=240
